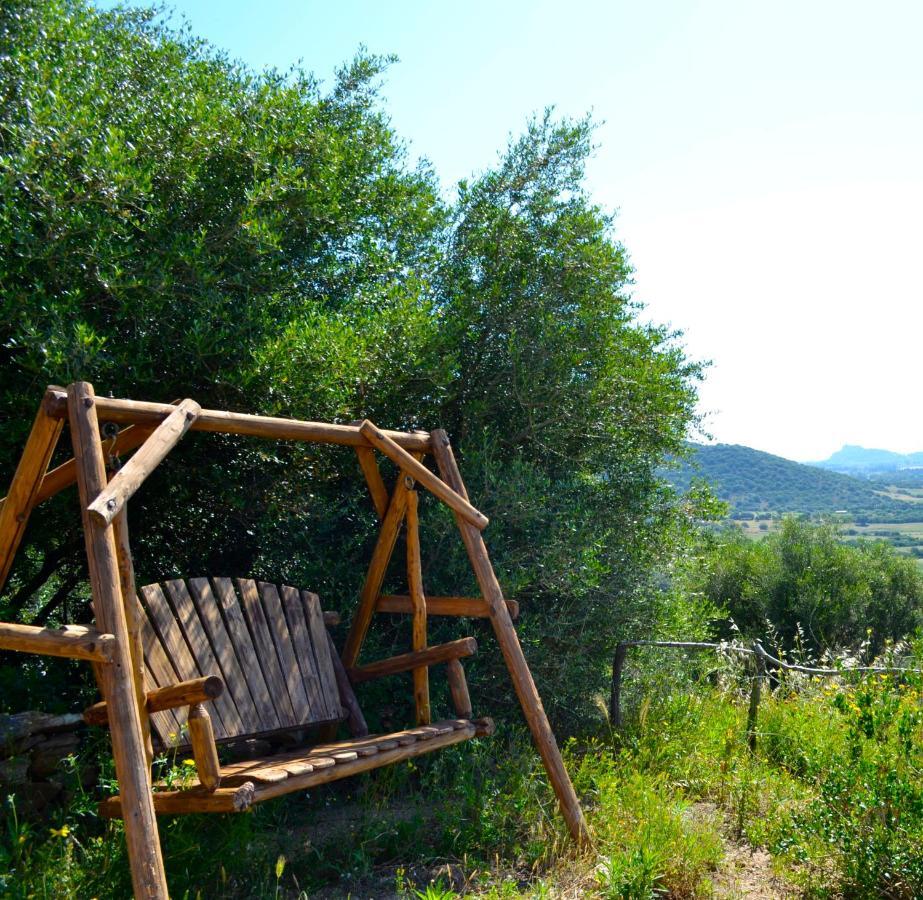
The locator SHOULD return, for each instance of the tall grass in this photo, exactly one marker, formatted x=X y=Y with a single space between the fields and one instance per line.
x=834 y=792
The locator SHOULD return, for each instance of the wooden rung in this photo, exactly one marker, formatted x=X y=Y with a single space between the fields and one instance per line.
x=407 y=661
x=71 y=641
x=331 y=618
x=194 y=800
x=472 y=607
x=184 y=693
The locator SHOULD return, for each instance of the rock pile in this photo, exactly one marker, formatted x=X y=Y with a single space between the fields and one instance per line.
x=33 y=746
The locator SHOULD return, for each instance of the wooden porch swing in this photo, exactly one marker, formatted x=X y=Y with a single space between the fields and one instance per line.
x=210 y=660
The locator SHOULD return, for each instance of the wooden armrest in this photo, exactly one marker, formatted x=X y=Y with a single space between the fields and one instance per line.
x=415 y=660
x=183 y=693
x=73 y=641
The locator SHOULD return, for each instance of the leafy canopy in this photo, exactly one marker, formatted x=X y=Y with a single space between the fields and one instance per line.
x=173 y=224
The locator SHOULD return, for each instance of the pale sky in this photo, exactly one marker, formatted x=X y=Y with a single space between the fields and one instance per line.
x=766 y=161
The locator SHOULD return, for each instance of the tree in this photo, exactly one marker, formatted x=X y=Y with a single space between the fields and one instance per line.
x=804 y=579
x=174 y=225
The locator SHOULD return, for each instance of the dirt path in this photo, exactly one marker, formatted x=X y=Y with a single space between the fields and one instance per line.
x=745 y=871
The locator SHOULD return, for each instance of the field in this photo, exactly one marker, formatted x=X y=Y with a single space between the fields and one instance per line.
x=905 y=494
x=905 y=537
x=828 y=806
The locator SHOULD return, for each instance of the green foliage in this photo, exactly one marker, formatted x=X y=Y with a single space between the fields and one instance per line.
x=804 y=582
x=174 y=225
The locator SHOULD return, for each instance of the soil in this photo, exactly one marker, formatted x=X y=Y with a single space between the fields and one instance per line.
x=745 y=871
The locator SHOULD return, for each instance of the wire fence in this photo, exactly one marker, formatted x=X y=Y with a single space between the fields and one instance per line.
x=762 y=666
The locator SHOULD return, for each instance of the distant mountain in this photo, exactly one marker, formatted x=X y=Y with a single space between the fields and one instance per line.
x=853 y=460
x=756 y=483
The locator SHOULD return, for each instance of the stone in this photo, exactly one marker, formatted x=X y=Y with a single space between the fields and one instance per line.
x=14 y=771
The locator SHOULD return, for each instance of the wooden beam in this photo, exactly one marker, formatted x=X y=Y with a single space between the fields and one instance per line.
x=381 y=556
x=136 y=412
x=416 y=470
x=355 y=720
x=193 y=800
x=418 y=603
x=470 y=607
x=152 y=453
x=204 y=750
x=133 y=621
x=21 y=498
x=71 y=641
x=516 y=663
x=65 y=475
x=183 y=693
x=373 y=479
x=458 y=687
x=405 y=662
x=147 y=872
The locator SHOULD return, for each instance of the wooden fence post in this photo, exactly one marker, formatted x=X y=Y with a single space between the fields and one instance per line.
x=756 y=667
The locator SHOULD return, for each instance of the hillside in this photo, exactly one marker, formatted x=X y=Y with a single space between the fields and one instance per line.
x=754 y=483
x=853 y=460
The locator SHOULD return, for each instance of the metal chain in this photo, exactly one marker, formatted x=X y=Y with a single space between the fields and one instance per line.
x=110 y=431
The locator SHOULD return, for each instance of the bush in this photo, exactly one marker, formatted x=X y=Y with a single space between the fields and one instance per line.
x=803 y=582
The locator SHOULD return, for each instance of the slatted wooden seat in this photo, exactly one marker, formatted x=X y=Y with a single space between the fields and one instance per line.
x=262 y=655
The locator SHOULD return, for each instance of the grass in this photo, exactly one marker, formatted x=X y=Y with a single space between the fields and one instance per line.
x=834 y=792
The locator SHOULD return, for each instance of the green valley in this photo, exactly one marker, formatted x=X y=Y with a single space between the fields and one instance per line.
x=760 y=488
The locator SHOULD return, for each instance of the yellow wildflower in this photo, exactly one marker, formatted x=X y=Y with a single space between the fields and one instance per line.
x=61 y=832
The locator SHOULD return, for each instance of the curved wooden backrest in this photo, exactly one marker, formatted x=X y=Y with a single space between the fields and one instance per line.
x=268 y=643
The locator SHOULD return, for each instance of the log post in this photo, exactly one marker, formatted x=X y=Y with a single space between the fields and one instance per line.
x=458 y=687
x=522 y=679
x=14 y=515
x=756 y=667
x=416 y=470
x=375 y=576
x=204 y=750
x=147 y=872
x=133 y=622
x=418 y=602
x=615 y=696
x=373 y=479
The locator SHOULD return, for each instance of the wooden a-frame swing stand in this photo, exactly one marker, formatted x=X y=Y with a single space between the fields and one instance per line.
x=258 y=654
